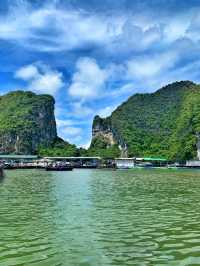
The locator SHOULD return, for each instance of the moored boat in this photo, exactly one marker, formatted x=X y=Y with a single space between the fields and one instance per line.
x=1 y=172
x=59 y=168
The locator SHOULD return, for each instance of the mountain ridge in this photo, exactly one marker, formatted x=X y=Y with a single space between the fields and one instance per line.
x=163 y=123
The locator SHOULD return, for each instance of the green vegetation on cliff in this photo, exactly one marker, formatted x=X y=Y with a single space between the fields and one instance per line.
x=26 y=121
x=16 y=107
x=99 y=147
x=164 y=123
x=59 y=148
x=27 y=126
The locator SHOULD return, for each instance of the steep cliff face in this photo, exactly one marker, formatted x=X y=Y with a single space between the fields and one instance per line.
x=165 y=123
x=102 y=129
x=104 y=142
x=26 y=122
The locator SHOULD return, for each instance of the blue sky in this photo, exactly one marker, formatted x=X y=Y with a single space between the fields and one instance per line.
x=92 y=55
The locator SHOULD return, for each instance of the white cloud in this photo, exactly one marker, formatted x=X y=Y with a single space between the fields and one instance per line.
x=41 y=78
x=27 y=72
x=68 y=130
x=47 y=83
x=126 y=89
x=152 y=52
x=134 y=38
x=54 y=28
x=176 y=29
x=144 y=67
x=105 y=112
x=89 y=79
x=50 y=28
x=81 y=110
x=71 y=131
x=150 y=73
x=64 y=123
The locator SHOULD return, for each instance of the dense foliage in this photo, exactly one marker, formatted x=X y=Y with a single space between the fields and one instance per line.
x=100 y=147
x=26 y=120
x=164 y=123
x=27 y=125
x=17 y=110
x=59 y=148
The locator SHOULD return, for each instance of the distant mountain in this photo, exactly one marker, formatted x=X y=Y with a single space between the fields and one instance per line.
x=27 y=125
x=165 y=124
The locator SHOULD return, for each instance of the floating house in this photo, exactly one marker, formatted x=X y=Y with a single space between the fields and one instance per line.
x=8 y=158
x=125 y=163
x=12 y=161
x=193 y=163
x=78 y=162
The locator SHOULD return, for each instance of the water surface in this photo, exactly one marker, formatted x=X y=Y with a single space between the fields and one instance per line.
x=100 y=217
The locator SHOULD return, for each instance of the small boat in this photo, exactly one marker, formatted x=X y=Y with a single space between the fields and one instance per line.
x=59 y=167
x=144 y=165
x=14 y=167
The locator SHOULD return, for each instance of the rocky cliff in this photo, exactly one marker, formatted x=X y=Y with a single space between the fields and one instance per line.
x=165 y=123
x=26 y=122
x=102 y=129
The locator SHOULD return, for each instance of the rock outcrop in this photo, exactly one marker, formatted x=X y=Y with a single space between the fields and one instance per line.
x=102 y=129
x=26 y=122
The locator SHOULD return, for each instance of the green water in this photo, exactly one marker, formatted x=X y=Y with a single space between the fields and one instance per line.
x=99 y=217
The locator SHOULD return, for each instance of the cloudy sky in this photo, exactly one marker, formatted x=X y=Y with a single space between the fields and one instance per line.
x=92 y=55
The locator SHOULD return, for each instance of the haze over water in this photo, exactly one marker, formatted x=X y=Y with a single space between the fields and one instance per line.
x=100 y=217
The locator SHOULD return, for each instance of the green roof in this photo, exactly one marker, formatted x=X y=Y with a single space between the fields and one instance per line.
x=153 y=159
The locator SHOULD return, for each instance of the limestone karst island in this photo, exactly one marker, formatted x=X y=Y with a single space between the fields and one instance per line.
x=160 y=129
x=99 y=133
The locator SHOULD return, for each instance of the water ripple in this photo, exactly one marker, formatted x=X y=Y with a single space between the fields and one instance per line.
x=93 y=217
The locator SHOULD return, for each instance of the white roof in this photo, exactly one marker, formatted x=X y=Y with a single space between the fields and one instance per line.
x=124 y=158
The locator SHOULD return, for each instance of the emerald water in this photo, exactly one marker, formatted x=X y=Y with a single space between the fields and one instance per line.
x=100 y=217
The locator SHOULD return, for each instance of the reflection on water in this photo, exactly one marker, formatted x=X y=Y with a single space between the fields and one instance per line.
x=99 y=217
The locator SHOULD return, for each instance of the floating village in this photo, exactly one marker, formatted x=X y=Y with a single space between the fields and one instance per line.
x=11 y=162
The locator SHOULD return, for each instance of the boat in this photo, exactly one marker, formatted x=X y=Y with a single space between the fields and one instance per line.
x=87 y=166
x=59 y=168
x=144 y=165
x=14 y=167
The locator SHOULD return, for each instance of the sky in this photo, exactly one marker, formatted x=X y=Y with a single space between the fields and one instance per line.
x=92 y=55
